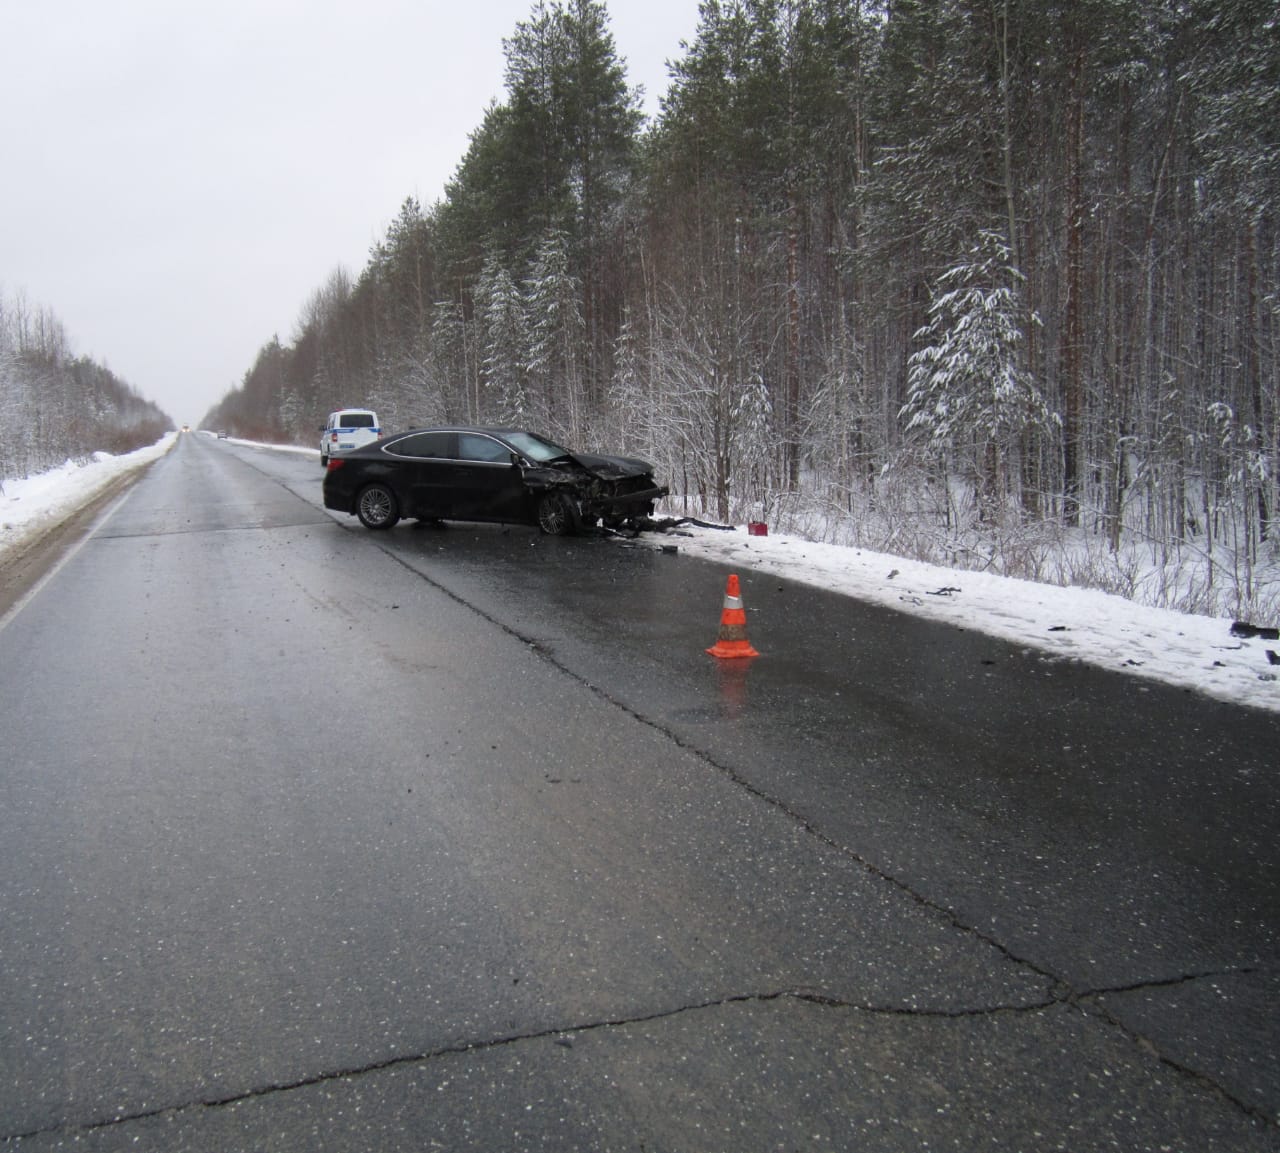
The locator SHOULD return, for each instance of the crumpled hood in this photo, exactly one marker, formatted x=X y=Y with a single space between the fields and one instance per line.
x=612 y=467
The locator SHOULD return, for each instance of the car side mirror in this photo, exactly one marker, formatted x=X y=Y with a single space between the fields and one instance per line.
x=515 y=459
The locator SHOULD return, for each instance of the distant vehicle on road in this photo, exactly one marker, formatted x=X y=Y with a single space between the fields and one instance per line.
x=346 y=429
x=222 y=434
x=488 y=474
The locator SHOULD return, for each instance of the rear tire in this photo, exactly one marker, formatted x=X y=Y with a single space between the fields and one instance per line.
x=557 y=514
x=376 y=507
x=324 y=461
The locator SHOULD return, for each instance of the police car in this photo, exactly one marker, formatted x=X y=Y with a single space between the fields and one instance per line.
x=346 y=429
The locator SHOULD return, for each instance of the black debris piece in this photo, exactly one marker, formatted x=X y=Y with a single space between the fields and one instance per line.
x=1244 y=629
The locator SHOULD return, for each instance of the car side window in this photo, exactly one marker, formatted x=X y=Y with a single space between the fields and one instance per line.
x=429 y=444
x=482 y=448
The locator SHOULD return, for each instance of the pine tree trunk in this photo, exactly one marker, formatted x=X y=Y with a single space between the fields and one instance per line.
x=793 y=349
x=1072 y=329
x=1252 y=355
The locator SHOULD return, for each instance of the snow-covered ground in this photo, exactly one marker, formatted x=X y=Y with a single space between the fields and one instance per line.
x=31 y=506
x=1200 y=653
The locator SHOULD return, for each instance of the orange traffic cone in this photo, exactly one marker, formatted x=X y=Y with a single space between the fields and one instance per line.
x=733 y=641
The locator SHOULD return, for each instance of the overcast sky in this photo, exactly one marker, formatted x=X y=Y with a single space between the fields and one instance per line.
x=179 y=178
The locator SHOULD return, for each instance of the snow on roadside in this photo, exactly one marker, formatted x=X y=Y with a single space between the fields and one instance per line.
x=31 y=506
x=1194 y=652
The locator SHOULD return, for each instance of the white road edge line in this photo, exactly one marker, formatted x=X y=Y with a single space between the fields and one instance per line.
x=36 y=588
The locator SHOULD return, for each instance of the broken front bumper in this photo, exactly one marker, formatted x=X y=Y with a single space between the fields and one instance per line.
x=624 y=504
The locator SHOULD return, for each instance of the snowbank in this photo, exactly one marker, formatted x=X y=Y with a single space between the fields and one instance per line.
x=32 y=506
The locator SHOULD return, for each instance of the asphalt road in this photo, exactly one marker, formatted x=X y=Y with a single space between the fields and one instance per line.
x=312 y=838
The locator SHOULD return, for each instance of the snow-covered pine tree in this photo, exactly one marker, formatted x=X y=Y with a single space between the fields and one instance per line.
x=630 y=411
x=449 y=364
x=505 y=347
x=754 y=438
x=969 y=396
x=553 y=296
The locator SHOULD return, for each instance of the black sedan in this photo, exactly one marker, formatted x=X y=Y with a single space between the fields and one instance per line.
x=488 y=474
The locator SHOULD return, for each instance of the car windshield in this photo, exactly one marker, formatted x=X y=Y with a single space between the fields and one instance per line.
x=534 y=447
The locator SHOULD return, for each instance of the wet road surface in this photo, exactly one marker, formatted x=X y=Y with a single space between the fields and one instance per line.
x=317 y=838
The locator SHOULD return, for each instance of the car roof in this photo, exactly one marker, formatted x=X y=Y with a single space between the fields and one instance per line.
x=491 y=430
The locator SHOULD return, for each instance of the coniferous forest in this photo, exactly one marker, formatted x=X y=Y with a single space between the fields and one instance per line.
x=989 y=282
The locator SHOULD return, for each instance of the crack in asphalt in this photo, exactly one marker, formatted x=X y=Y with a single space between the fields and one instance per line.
x=559 y=1034
x=565 y=1033
x=208 y=530
x=1091 y=1001
x=1169 y=982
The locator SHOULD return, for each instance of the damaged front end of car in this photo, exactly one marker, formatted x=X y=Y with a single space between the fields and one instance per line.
x=611 y=490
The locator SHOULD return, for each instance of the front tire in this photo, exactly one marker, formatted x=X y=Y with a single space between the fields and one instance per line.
x=557 y=514
x=376 y=507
